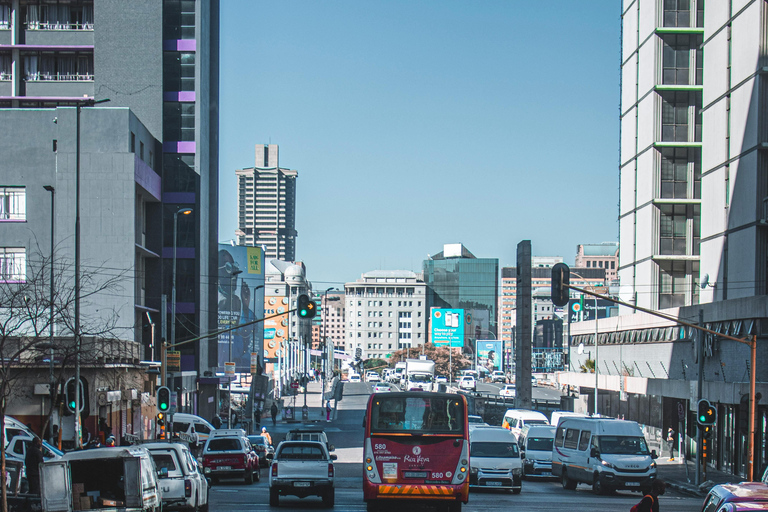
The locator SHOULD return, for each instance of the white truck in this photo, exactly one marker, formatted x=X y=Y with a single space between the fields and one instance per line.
x=399 y=373
x=302 y=468
x=419 y=374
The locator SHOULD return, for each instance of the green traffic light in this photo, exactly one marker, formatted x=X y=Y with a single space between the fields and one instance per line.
x=702 y=418
x=163 y=406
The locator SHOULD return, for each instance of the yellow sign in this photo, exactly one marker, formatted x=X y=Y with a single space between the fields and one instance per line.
x=173 y=360
x=254 y=260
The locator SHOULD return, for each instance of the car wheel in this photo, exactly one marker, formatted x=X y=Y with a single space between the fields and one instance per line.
x=567 y=482
x=274 y=498
x=215 y=480
x=248 y=477
x=329 y=498
x=597 y=485
x=257 y=474
x=516 y=491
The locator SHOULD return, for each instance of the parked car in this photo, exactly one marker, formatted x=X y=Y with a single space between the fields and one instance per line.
x=747 y=492
x=229 y=454
x=507 y=390
x=468 y=383
x=382 y=387
x=181 y=478
x=302 y=468
x=498 y=376
x=262 y=448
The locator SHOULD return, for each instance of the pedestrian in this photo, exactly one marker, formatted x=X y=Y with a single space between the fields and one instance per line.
x=671 y=439
x=216 y=421
x=266 y=435
x=195 y=442
x=32 y=462
x=273 y=411
x=328 y=410
x=650 y=502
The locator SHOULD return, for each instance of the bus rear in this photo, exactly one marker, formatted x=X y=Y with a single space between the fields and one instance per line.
x=416 y=448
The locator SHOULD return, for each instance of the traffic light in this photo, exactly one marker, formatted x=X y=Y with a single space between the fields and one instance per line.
x=163 y=398
x=306 y=308
x=70 y=395
x=561 y=277
x=706 y=414
x=160 y=418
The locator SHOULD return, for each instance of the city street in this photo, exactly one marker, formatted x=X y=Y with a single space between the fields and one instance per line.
x=346 y=434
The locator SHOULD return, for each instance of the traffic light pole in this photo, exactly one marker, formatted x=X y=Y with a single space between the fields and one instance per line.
x=700 y=356
x=751 y=341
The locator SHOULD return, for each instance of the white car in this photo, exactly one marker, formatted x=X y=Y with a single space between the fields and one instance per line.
x=180 y=477
x=468 y=383
x=354 y=377
x=534 y=381
x=507 y=390
x=441 y=379
x=382 y=387
x=374 y=377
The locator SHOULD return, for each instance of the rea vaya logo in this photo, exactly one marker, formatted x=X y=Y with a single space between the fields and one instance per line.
x=418 y=458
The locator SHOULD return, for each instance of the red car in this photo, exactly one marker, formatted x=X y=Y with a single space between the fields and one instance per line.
x=229 y=454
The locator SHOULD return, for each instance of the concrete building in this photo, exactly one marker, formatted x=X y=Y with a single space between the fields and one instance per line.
x=267 y=205
x=692 y=228
x=386 y=311
x=331 y=322
x=604 y=255
x=148 y=152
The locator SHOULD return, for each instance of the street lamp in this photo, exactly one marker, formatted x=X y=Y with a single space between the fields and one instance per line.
x=52 y=190
x=232 y=283
x=183 y=211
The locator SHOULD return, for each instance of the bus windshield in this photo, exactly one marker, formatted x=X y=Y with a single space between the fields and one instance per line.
x=622 y=445
x=416 y=414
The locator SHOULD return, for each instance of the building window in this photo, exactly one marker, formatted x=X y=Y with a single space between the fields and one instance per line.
x=13 y=203
x=676 y=59
x=64 y=16
x=675 y=110
x=13 y=264
x=5 y=67
x=677 y=13
x=673 y=229
x=675 y=165
x=672 y=284
x=57 y=66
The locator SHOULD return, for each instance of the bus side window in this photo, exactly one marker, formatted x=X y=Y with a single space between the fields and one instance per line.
x=559 y=436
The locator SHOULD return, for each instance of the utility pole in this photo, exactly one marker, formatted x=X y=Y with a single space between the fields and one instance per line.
x=700 y=386
x=524 y=327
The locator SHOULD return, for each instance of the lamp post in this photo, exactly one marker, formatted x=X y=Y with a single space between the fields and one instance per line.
x=232 y=284
x=52 y=391
x=183 y=211
x=89 y=102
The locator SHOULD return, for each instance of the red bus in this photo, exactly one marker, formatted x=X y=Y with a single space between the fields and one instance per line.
x=416 y=448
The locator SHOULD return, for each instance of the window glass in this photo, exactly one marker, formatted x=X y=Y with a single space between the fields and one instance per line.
x=584 y=440
x=497 y=450
x=571 y=438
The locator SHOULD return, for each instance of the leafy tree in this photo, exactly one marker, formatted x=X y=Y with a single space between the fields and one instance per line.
x=588 y=366
x=439 y=354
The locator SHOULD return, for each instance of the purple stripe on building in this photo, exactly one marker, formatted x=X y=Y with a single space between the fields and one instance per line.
x=179 y=96
x=179 y=45
x=179 y=197
x=187 y=363
x=146 y=177
x=182 y=146
x=181 y=252
x=186 y=308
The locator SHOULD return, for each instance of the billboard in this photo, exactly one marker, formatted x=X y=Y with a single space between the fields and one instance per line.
x=275 y=326
x=447 y=326
x=241 y=300
x=489 y=354
x=582 y=311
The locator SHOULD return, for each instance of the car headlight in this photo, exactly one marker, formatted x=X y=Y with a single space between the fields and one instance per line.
x=653 y=465
x=607 y=464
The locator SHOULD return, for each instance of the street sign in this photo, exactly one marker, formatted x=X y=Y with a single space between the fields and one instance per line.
x=229 y=369
x=294 y=385
x=173 y=360
x=254 y=362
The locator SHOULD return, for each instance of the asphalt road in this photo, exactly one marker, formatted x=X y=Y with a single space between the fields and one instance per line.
x=346 y=433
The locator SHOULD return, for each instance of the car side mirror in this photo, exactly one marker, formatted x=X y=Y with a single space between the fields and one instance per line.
x=594 y=453
x=270 y=456
x=334 y=456
x=331 y=448
x=654 y=455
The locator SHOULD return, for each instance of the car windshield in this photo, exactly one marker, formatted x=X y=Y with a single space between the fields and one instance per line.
x=164 y=460
x=499 y=450
x=543 y=444
x=536 y=422
x=257 y=440
x=622 y=445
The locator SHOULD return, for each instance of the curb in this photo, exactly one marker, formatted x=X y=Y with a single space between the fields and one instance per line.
x=688 y=489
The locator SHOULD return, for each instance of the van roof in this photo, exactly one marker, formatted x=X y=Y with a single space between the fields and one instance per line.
x=107 y=453
x=602 y=426
x=223 y=432
x=525 y=414
x=490 y=433
x=539 y=430
x=191 y=417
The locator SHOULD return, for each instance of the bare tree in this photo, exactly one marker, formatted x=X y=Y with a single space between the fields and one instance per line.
x=439 y=354
x=25 y=322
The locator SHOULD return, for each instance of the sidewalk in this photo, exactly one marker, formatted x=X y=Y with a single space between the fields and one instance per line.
x=315 y=411
x=674 y=474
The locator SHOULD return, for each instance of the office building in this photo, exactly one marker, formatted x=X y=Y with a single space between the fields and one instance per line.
x=331 y=320
x=604 y=255
x=149 y=151
x=386 y=311
x=267 y=205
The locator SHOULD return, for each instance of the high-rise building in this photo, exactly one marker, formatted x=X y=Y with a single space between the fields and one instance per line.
x=385 y=312
x=147 y=153
x=267 y=205
x=604 y=255
x=330 y=324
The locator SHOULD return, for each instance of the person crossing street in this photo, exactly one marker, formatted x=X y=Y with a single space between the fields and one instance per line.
x=266 y=435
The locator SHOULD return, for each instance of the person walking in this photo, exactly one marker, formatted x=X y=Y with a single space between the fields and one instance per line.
x=216 y=421
x=32 y=462
x=273 y=411
x=328 y=410
x=266 y=435
x=671 y=440
x=650 y=502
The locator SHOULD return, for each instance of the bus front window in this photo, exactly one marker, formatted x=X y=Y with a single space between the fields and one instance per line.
x=417 y=415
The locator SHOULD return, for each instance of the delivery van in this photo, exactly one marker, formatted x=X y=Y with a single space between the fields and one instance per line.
x=183 y=423
x=118 y=478
x=557 y=416
x=516 y=419
x=536 y=444
x=607 y=454
x=494 y=459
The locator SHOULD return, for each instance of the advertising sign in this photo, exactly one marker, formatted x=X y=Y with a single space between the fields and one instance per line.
x=276 y=328
x=241 y=300
x=582 y=311
x=489 y=354
x=448 y=327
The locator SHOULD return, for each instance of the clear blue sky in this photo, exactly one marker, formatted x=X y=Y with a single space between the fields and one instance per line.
x=418 y=123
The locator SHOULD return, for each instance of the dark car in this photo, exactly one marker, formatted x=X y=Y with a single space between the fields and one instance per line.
x=262 y=448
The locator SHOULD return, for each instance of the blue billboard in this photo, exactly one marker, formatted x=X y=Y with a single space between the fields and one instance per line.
x=447 y=327
x=241 y=300
x=489 y=353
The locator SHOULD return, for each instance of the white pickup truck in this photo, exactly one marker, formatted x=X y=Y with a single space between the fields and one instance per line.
x=302 y=468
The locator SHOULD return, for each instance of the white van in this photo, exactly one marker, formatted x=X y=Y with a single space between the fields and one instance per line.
x=536 y=450
x=494 y=459
x=557 y=416
x=14 y=427
x=183 y=423
x=516 y=419
x=606 y=453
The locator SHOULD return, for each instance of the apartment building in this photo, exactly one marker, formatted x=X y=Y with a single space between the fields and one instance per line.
x=604 y=255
